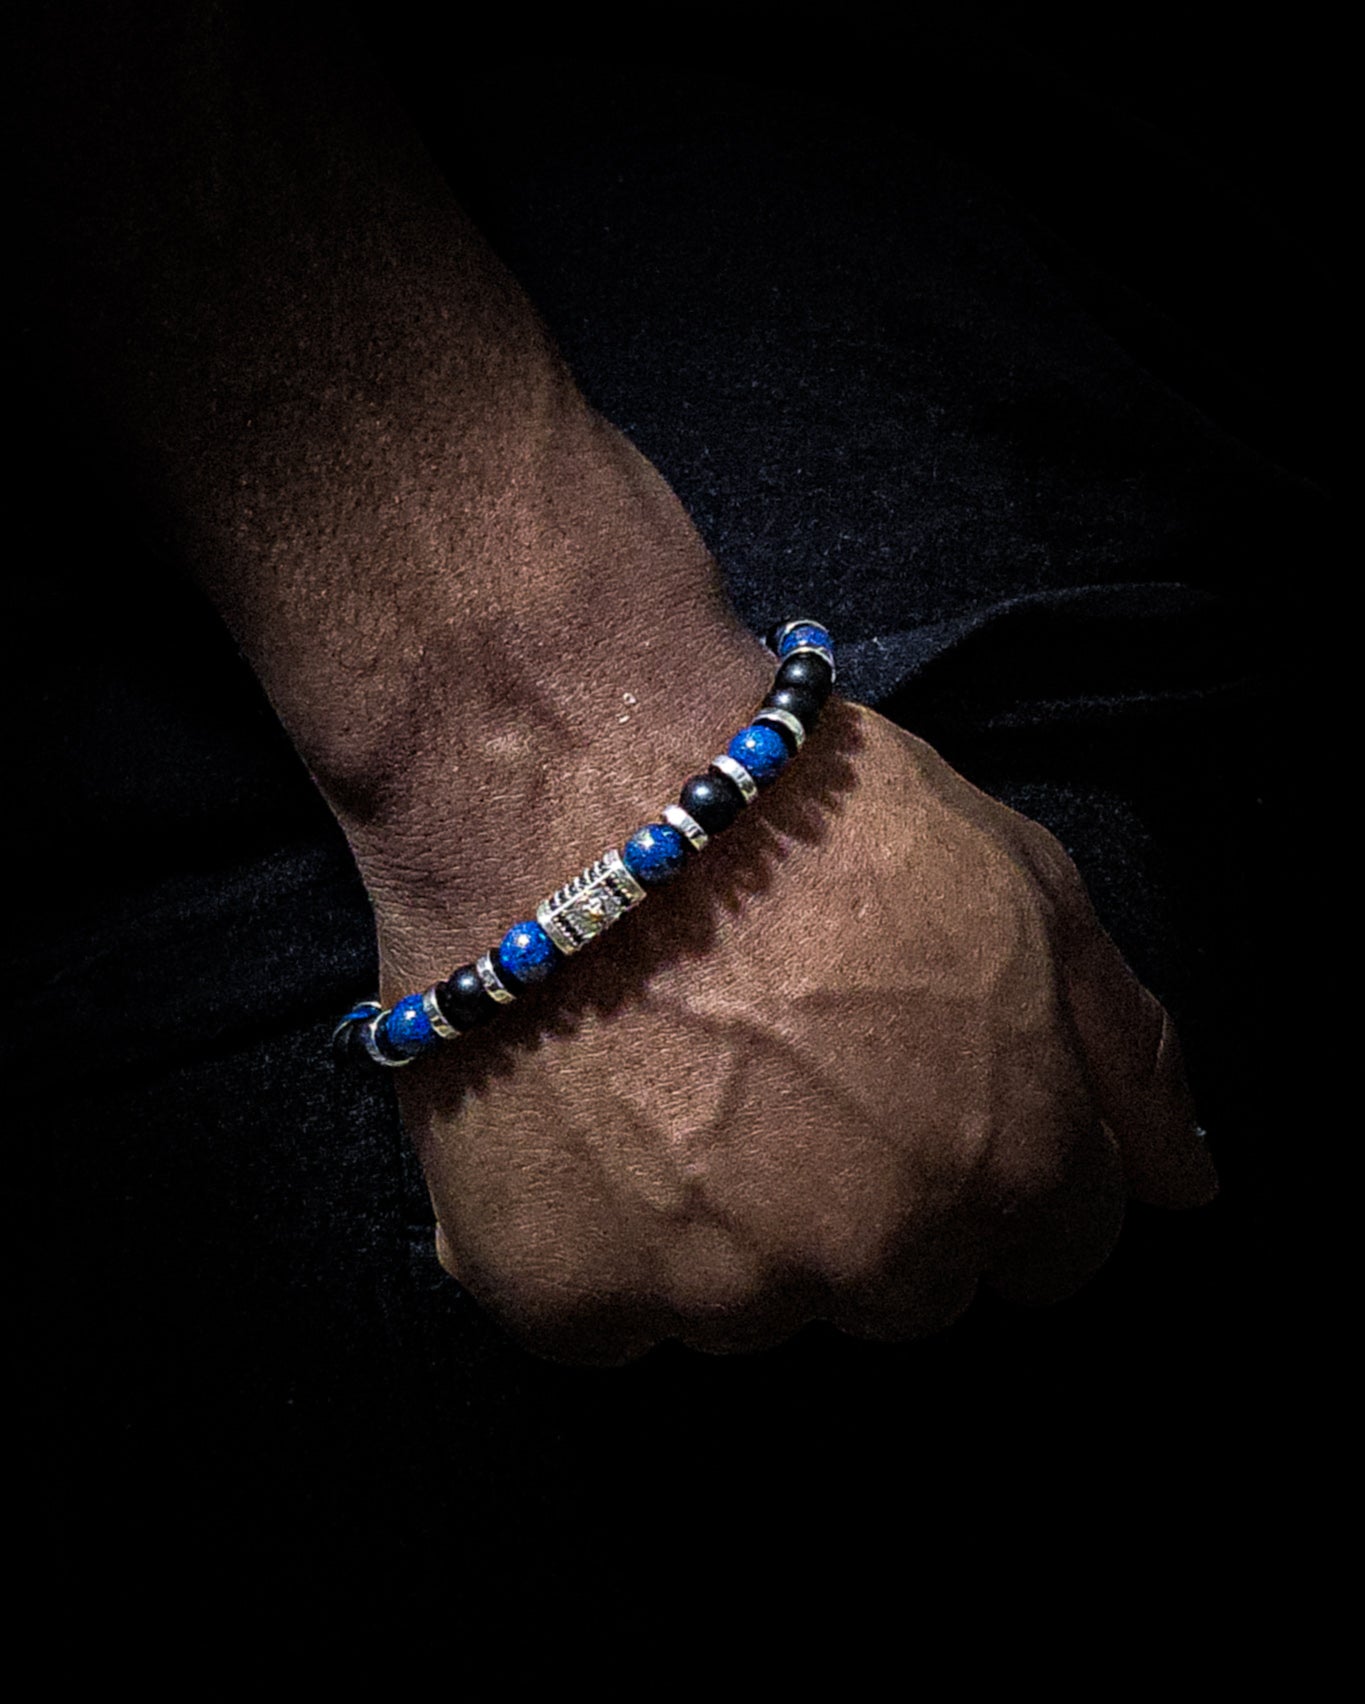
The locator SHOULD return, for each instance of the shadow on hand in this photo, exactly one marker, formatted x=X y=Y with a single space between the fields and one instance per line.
x=682 y=921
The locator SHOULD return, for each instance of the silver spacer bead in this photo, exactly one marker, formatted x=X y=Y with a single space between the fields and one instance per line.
x=371 y=1042
x=437 y=1018
x=492 y=981
x=372 y=1007
x=786 y=627
x=738 y=774
x=579 y=911
x=785 y=719
x=816 y=651
x=688 y=826
x=796 y=650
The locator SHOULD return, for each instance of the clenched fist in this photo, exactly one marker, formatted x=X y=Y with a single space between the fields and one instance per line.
x=871 y=1050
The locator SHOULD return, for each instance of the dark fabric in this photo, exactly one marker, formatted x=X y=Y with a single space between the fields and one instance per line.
x=997 y=350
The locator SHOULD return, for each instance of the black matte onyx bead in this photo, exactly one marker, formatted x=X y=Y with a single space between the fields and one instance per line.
x=463 y=999
x=807 y=670
x=798 y=701
x=713 y=800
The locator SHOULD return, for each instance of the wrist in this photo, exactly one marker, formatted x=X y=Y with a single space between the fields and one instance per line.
x=513 y=817
x=610 y=883
x=557 y=711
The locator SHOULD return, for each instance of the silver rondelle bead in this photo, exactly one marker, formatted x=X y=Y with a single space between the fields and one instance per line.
x=371 y=1008
x=815 y=650
x=437 y=1018
x=796 y=650
x=688 y=826
x=786 y=627
x=371 y=1041
x=738 y=774
x=492 y=981
x=784 y=719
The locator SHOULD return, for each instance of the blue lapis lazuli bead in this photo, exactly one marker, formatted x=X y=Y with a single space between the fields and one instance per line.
x=527 y=953
x=407 y=1030
x=655 y=854
x=805 y=633
x=762 y=751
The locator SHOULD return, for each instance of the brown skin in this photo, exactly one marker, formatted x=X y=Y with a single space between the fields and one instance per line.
x=873 y=1048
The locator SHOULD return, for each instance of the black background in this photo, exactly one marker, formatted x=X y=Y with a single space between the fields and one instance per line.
x=1008 y=344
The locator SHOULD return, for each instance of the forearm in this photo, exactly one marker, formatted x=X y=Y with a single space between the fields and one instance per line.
x=466 y=597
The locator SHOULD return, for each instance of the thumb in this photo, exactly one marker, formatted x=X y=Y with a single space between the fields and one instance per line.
x=445 y=1254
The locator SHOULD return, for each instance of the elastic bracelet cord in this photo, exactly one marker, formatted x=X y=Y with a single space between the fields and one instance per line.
x=580 y=910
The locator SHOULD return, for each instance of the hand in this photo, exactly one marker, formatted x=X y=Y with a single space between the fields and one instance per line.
x=874 y=1048
x=871 y=1050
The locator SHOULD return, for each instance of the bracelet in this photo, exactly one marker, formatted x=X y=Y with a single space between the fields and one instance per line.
x=580 y=910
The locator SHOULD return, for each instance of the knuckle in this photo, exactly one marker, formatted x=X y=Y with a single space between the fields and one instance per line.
x=1028 y=1162
x=1041 y=1156
x=746 y=1319
x=566 y=1312
x=709 y=1300
x=1058 y=884
x=713 y=1279
x=853 y=1253
x=1013 y=911
x=1047 y=858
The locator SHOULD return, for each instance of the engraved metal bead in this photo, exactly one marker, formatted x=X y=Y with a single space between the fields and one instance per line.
x=621 y=875
x=579 y=911
x=563 y=938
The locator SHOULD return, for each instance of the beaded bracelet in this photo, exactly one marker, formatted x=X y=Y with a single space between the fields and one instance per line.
x=580 y=910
